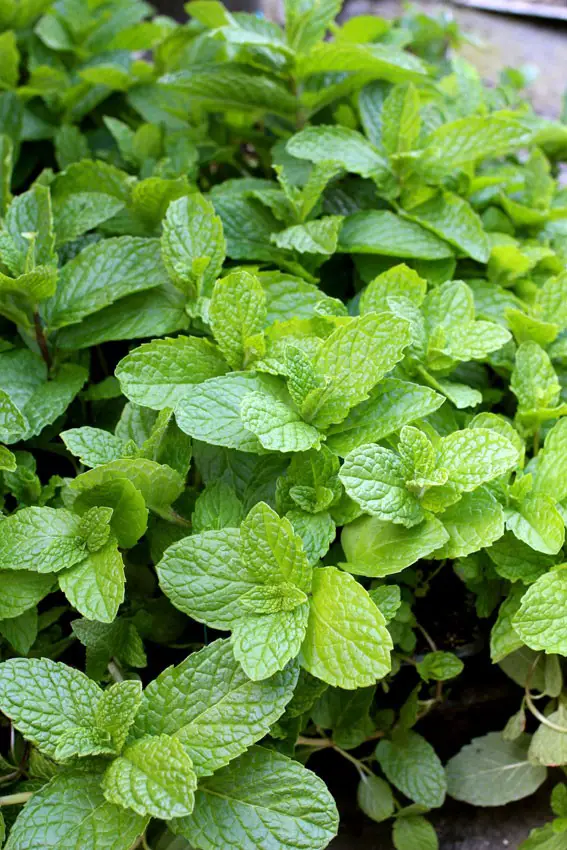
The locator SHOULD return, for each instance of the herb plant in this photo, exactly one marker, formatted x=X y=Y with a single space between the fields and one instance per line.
x=283 y=348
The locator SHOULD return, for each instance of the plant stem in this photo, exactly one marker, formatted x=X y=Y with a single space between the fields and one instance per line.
x=316 y=743
x=41 y=339
x=360 y=766
x=16 y=799
x=536 y=442
x=428 y=638
x=115 y=670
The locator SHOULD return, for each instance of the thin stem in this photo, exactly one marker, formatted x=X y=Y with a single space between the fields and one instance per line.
x=536 y=441
x=16 y=799
x=41 y=339
x=428 y=638
x=360 y=766
x=115 y=670
x=316 y=743
x=531 y=705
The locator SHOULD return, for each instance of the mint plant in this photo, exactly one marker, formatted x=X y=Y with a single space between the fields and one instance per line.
x=282 y=353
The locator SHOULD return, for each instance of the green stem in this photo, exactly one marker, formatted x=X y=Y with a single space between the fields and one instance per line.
x=316 y=743
x=41 y=340
x=16 y=799
x=360 y=766
x=115 y=671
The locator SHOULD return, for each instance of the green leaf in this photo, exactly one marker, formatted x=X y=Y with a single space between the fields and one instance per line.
x=534 y=381
x=83 y=818
x=271 y=549
x=22 y=590
x=473 y=523
x=537 y=522
x=411 y=764
x=375 y=478
x=11 y=419
x=377 y=548
x=28 y=232
x=548 y=745
x=93 y=446
x=9 y=60
x=306 y=24
x=504 y=638
x=341 y=145
x=347 y=643
x=84 y=742
x=541 y=622
x=21 y=631
x=475 y=456
x=397 y=281
x=440 y=666
x=212 y=412
x=374 y=796
x=129 y=513
x=391 y=405
x=236 y=313
x=276 y=425
x=216 y=507
x=387 y=598
x=45 y=540
x=468 y=139
x=192 y=244
x=160 y=373
x=76 y=214
x=203 y=701
x=264 y=643
x=400 y=119
x=354 y=358
x=314 y=237
x=45 y=699
x=154 y=776
x=383 y=232
x=453 y=219
x=262 y=797
x=414 y=831
x=492 y=772
x=101 y=274
x=95 y=586
x=117 y=709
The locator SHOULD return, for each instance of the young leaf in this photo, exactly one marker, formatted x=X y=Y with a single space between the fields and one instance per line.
x=45 y=540
x=411 y=764
x=541 y=621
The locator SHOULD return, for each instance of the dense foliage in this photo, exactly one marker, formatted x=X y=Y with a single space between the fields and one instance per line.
x=283 y=348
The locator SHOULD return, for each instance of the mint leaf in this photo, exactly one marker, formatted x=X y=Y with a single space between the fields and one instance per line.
x=411 y=764
x=192 y=244
x=95 y=586
x=21 y=590
x=90 y=819
x=538 y=523
x=153 y=776
x=475 y=456
x=44 y=540
x=383 y=232
x=540 y=622
x=66 y=697
x=274 y=797
x=492 y=772
x=374 y=796
x=236 y=313
x=159 y=374
x=474 y=522
x=341 y=608
x=414 y=831
x=375 y=478
x=93 y=446
x=277 y=426
x=202 y=702
x=265 y=642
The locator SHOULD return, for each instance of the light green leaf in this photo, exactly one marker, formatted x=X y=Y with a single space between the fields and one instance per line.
x=549 y=746
x=473 y=523
x=44 y=540
x=314 y=237
x=551 y=472
x=160 y=373
x=75 y=214
x=398 y=281
x=66 y=697
x=84 y=742
x=440 y=666
x=154 y=776
x=129 y=513
x=216 y=507
x=211 y=412
x=383 y=232
x=453 y=219
x=541 y=621
x=534 y=381
x=492 y=772
x=400 y=119
x=537 y=522
x=93 y=446
x=271 y=550
x=377 y=548
x=375 y=478
x=237 y=312
x=306 y=24
x=276 y=425
x=338 y=144
x=12 y=421
x=414 y=831
x=117 y=709
x=192 y=244
x=261 y=798
x=347 y=643
x=203 y=701
x=101 y=274
x=317 y=531
x=22 y=590
x=95 y=586
x=71 y=813
x=468 y=139
x=412 y=765
x=21 y=631
x=391 y=405
x=265 y=643
x=374 y=796
x=29 y=213
x=475 y=456
x=504 y=638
